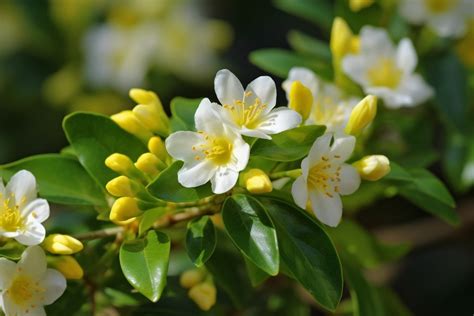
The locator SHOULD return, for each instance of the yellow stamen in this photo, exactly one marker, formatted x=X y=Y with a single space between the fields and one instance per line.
x=385 y=73
x=245 y=115
x=10 y=216
x=23 y=289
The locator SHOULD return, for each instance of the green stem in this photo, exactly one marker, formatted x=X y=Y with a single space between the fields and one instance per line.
x=295 y=173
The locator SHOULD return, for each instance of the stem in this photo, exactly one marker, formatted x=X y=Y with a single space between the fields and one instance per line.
x=295 y=173
x=106 y=232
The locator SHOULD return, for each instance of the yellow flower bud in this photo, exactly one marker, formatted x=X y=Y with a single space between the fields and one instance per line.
x=149 y=116
x=301 y=99
x=256 y=181
x=149 y=164
x=204 y=295
x=119 y=163
x=145 y=97
x=68 y=266
x=190 y=278
x=62 y=244
x=341 y=38
x=122 y=186
x=157 y=148
x=357 y=5
x=362 y=115
x=124 y=211
x=373 y=167
x=130 y=123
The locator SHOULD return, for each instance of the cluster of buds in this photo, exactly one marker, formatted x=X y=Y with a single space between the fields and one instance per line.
x=201 y=287
x=63 y=247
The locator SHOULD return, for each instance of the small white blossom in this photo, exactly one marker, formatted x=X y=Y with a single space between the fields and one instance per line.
x=387 y=71
x=251 y=111
x=325 y=177
x=21 y=212
x=215 y=153
x=28 y=285
x=330 y=107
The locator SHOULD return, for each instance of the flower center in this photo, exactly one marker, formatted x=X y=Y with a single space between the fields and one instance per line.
x=440 y=6
x=329 y=113
x=325 y=177
x=10 y=216
x=244 y=114
x=385 y=73
x=216 y=149
x=23 y=289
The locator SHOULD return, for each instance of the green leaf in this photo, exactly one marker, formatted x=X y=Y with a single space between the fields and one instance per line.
x=200 y=240
x=94 y=137
x=309 y=45
x=362 y=246
x=307 y=252
x=319 y=12
x=183 y=110
x=398 y=173
x=61 y=179
x=256 y=275
x=429 y=193
x=289 y=145
x=166 y=187
x=149 y=218
x=252 y=231
x=12 y=250
x=279 y=62
x=144 y=263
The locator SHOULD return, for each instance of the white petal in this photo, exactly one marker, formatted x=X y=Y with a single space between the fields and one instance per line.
x=355 y=67
x=279 y=120
x=320 y=148
x=350 y=180
x=263 y=88
x=36 y=311
x=450 y=24
x=55 y=285
x=406 y=58
x=393 y=99
x=224 y=180
x=10 y=308
x=228 y=87
x=305 y=167
x=23 y=185
x=33 y=262
x=418 y=90
x=180 y=145
x=2 y=189
x=240 y=154
x=342 y=148
x=37 y=210
x=208 y=115
x=7 y=272
x=413 y=11
x=375 y=41
x=194 y=175
x=33 y=235
x=303 y=75
x=254 y=133
x=299 y=190
x=328 y=210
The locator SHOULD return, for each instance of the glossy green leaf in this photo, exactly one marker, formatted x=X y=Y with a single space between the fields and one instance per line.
x=12 y=250
x=166 y=187
x=252 y=231
x=256 y=275
x=183 y=110
x=309 y=45
x=279 y=62
x=200 y=240
x=289 y=145
x=398 y=173
x=319 y=12
x=150 y=217
x=60 y=179
x=144 y=263
x=307 y=252
x=94 y=137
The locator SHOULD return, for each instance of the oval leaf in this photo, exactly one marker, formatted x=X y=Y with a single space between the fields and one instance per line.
x=183 y=110
x=252 y=231
x=144 y=263
x=307 y=252
x=200 y=240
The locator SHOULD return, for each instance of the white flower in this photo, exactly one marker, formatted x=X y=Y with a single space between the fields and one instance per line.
x=330 y=108
x=28 y=285
x=325 y=177
x=251 y=111
x=448 y=18
x=21 y=212
x=386 y=71
x=216 y=152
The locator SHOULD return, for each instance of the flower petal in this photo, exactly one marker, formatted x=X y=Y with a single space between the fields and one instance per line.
x=279 y=120
x=37 y=210
x=416 y=87
x=180 y=145
x=208 y=117
x=55 y=284
x=350 y=180
x=327 y=209
x=449 y=24
x=299 y=191
x=320 y=148
x=228 y=87
x=342 y=148
x=406 y=58
x=413 y=11
x=7 y=272
x=196 y=174
x=23 y=185
x=393 y=99
x=240 y=154
x=263 y=88
x=375 y=41
x=355 y=67
x=33 y=262
x=224 y=180
x=254 y=133
x=33 y=235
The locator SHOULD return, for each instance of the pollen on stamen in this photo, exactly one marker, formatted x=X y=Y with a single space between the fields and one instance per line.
x=197 y=158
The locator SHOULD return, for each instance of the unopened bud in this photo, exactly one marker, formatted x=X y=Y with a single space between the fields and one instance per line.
x=301 y=99
x=341 y=37
x=204 y=295
x=157 y=147
x=149 y=164
x=150 y=111
x=129 y=122
x=123 y=165
x=190 y=278
x=373 y=167
x=122 y=186
x=357 y=5
x=124 y=211
x=68 y=266
x=62 y=244
x=256 y=181
x=362 y=115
